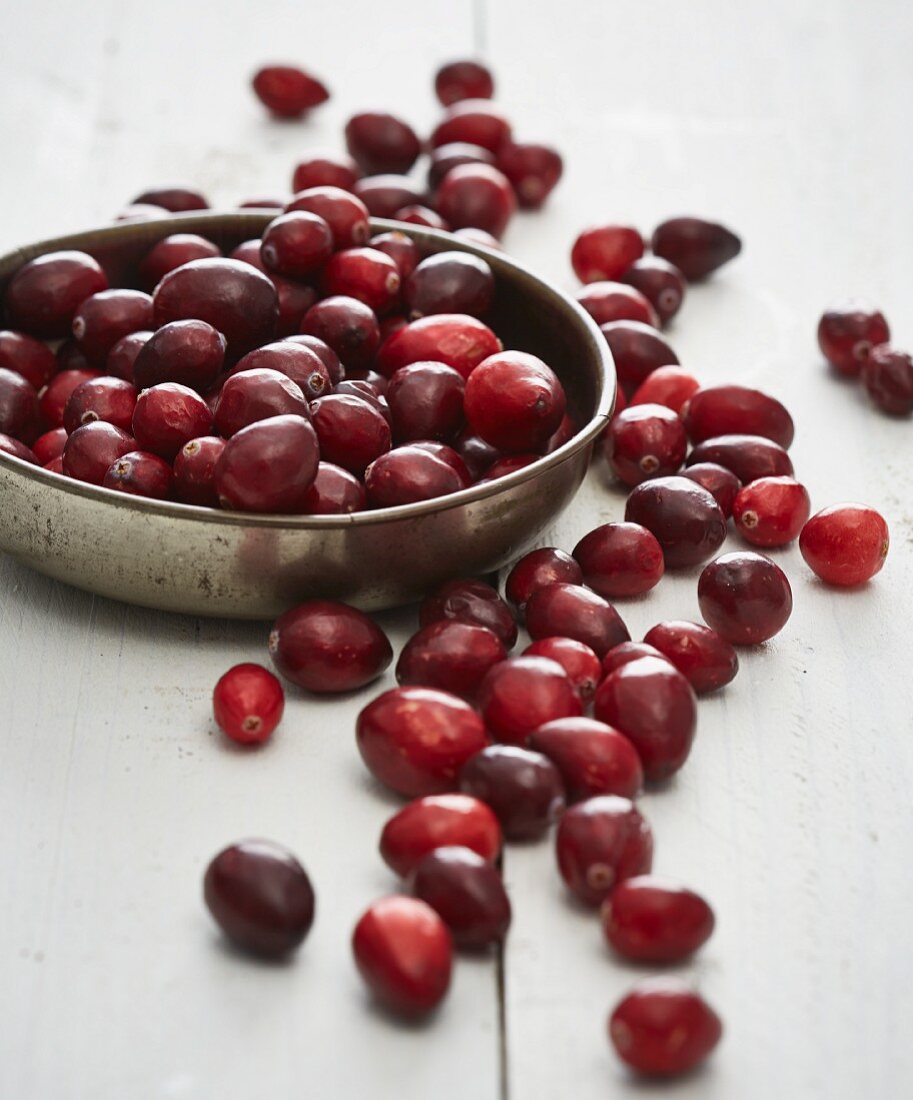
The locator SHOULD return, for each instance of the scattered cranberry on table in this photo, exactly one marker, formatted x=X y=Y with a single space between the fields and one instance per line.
x=671 y=386
x=846 y=544
x=620 y=559
x=847 y=333
x=654 y=920
x=660 y=282
x=470 y=601
x=643 y=442
x=522 y=693
x=771 y=511
x=685 y=519
x=888 y=378
x=747 y=456
x=467 y=893
x=605 y=252
x=573 y=611
x=523 y=788
x=451 y=656
x=628 y=651
x=579 y=662
x=592 y=757
x=381 y=142
x=720 y=483
x=745 y=597
x=697 y=247
x=705 y=658
x=537 y=569
x=610 y=301
x=638 y=350
x=464 y=79
x=438 y=821
x=248 y=702
x=601 y=842
x=287 y=91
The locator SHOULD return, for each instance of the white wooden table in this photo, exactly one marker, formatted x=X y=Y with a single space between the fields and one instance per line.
x=789 y=121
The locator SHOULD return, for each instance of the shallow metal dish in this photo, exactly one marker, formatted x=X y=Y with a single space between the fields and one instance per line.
x=205 y=562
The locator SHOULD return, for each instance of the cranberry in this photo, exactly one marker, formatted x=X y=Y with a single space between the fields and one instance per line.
x=345 y=214
x=44 y=294
x=451 y=656
x=448 y=456
x=108 y=399
x=363 y=390
x=141 y=474
x=459 y=80
x=736 y=410
x=620 y=559
x=470 y=601
x=478 y=236
x=523 y=788
x=320 y=169
x=401 y=249
x=417 y=214
x=439 y=821
x=268 y=466
x=669 y=386
x=380 y=142
x=645 y=441
x=745 y=597
x=19 y=408
x=476 y=196
x=254 y=395
x=565 y=432
x=50 y=445
x=572 y=611
x=720 y=483
x=260 y=896
x=453 y=155
x=450 y=282
x=28 y=357
x=11 y=446
x=294 y=361
x=474 y=121
x=847 y=332
x=653 y=920
x=91 y=450
x=687 y=522
x=579 y=662
x=288 y=91
x=701 y=655
x=352 y=432
x=407 y=475
x=348 y=327
x=600 y=842
x=522 y=693
x=478 y=455
x=605 y=252
x=625 y=653
x=334 y=492
x=328 y=647
x=295 y=297
x=172 y=252
x=122 y=357
x=638 y=350
x=404 y=952
x=324 y=353
x=747 y=456
x=295 y=244
x=696 y=247
x=426 y=400
x=415 y=739
x=514 y=401
x=537 y=569
x=194 y=471
x=56 y=394
x=607 y=301
x=533 y=171
x=176 y=200
x=771 y=511
x=888 y=378
x=365 y=274
x=467 y=893
x=189 y=352
x=383 y=195
x=168 y=416
x=248 y=702
x=845 y=544
x=664 y=1029
x=55 y=465
x=455 y=339
x=593 y=758
x=660 y=282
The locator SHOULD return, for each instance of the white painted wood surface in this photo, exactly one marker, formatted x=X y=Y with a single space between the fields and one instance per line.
x=794 y=814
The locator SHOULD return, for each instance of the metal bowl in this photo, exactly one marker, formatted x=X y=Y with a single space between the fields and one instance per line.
x=201 y=561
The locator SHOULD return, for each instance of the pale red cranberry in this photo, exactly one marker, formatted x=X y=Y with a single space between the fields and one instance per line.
x=456 y=339
x=654 y=920
x=625 y=653
x=607 y=301
x=514 y=401
x=670 y=386
x=604 y=252
x=771 y=511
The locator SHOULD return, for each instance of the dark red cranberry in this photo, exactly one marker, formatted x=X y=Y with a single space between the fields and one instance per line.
x=736 y=410
x=288 y=91
x=321 y=169
x=720 y=483
x=625 y=653
x=141 y=474
x=417 y=214
x=447 y=455
x=190 y=352
x=260 y=896
x=268 y=466
x=523 y=788
x=848 y=331
x=365 y=274
x=475 y=122
x=605 y=252
x=352 y=432
x=450 y=282
x=514 y=401
x=401 y=249
x=845 y=544
x=669 y=386
x=478 y=455
x=696 y=247
x=451 y=656
x=478 y=236
x=660 y=282
x=654 y=920
x=334 y=492
x=600 y=842
x=593 y=758
x=663 y=1028
x=653 y=705
x=19 y=409
x=522 y=693
x=44 y=294
x=687 y=522
x=459 y=80
x=638 y=350
x=643 y=442
x=572 y=611
x=122 y=357
x=745 y=597
x=109 y=399
x=579 y=662
x=295 y=244
x=344 y=213
x=439 y=821
x=416 y=740
x=467 y=893
x=607 y=301
x=171 y=252
x=533 y=171
x=324 y=353
x=453 y=155
x=348 y=327
x=56 y=394
x=407 y=475
x=456 y=339
x=295 y=297
x=383 y=195
x=701 y=655
x=50 y=445
x=747 y=456
x=380 y=142
x=168 y=416
x=295 y=361
x=247 y=704
x=11 y=446
x=328 y=647
x=256 y=395
x=620 y=559
x=92 y=449
x=404 y=952
x=771 y=511
x=194 y=471
x=27 y=356
x=470 y=601
x=426 y=400
x=176 y=200
x=70 y=356
x=476 y=196
x=888 y=378
x=537 y=569
x=364 y=391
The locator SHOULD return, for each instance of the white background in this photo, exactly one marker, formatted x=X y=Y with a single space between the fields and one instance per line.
x=789 y=121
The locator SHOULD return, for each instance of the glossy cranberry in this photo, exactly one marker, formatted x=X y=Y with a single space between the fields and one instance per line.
x=845 y=544
x=625 y=653
x=91 y=450
x=514 y=401
x=720 y=483
x=451 y=656
x=848 y=331
x=687 y=522
x=747 y=456
x=476 y=196
x=189 y=352
x=416 y=740
x=323 y=169
x=467 y=893
x=344 y=213
x=668 y=386
x=608 y=301
x=454 y=155
x=366 y=274
x=620 y=559
x=450 y=282
x=407 y=475
x=523 y=788
x=384 y=195
x=447 y=455
x=478 y=455
x=417 y=214
x=324 y=353
x=478 y=236
x=888 y=378
x=701 y=655
x=140 y=474
x=522 y=693
x=11 y=446
x=288 y=91
x=572 y=611
x=638 y=350
x=654 y=920
x=194 y=471
x=295 y=244
x=348 y=327
x=579 y=662
x=19 y=409
x=295 y=296
x=439 y=821
x=364 y=391
x=404 y=952
x=643 y=442
x=474 y=122
x=771 y=511
x=268 y=466
x=50 y=445
x=660 y=282
x=44 y=294
x=745 y=597
x=380 y=142
x=600 y=842
x=260 y=896
x=533 y=171
x=456 y=339
x=696 y=247
x=662 y=1028
x=459 y=80
x=401 y=249
x=26 y=356
x=294 y=361
x=537 y=569
x=247 y=703
x=56 y=394
x=334 y=492
x=736 y=410
x=122 y=357
x=352 y=432
x=109 y=399
x=426 y=401
x=593 y=758
x=470 y=601
x=168 y=416
x=171 y=252
x=605 y=252
x=254 y=395
x=176 y=200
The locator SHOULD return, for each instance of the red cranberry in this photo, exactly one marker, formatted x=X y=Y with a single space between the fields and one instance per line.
x=320 y=169
x=600 y=842
x=11 y=446
x=122 y=357
x=401 y=249
x=348 y=327
x=701 y=655
x=664 y=1029
x=55 y=465
x=747 y=456
x=328 y=647
x=847 y=332
x=404 y=952
x=608 y=301
x=451 y=656
x=745 y=597
x=625 y=653
x=295 y=297
x=91 y=450
x=439 y=821
x=363 y=390
x=669 y=386
x=19 y=408
x=171 y=252
x=426 y=400
x=140 y=474
x=593 y=758
x=579 y=662
x=365 y=274
x=478 y=455
x=189 y=352
x=288 y=91
x=407 y=475
x=324 y=353
x=522 y=693
x=295 y=244
x=572 y=611
x=645 y=441
x=476 y=196
x=44 y=294
x=771 y=511
x=696 y=247
x=478 y=236
x=533 y=171
x=605 y=252
x=447 y=455
x=459 y=80
x=352 y=432
x=537 y=569
x=345 y=214
x=50 y=445
x=620 y=559
x=256 y=395
x=660 y=282
x=176 y=200
x=467 y=893
x=736 y=410
x=450 y=282
x=687 y=522
x=168 y=416
x=453 y=155
x=523 y=788
x=845 y=544
x=888 y=378
x=194 y=471
x=56 y=394
x=720 y=483
x=28 y=357
x=417 y=214
x=638 y=350
x=475 y=122
x=456 y=339
x=383 y=195
x=470 y=601
x=380 y=142
x=653 y=920
x=295 y=361
x=268 y=466
x=109 y=399
x=248 y=702
x=514 y=401
x=415 y=739
x=260 y=896
x=334 y=492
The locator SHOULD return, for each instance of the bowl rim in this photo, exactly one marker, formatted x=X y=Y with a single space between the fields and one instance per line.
x=500 y=262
